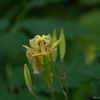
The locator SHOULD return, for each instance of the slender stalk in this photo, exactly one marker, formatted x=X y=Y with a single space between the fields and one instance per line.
x=56 y=87
x=58 y=76
x=65 y=77
x=51 y=90
x=42 y=76
x=59 y=79
x=52 y=94
x=33 y=94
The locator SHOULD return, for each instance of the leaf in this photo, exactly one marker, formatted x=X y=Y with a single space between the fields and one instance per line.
x=90 y=20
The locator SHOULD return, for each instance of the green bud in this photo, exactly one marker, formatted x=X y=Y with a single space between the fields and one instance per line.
x=27 y=77
x=48 y=74
x=62 y=45
x=54 y=39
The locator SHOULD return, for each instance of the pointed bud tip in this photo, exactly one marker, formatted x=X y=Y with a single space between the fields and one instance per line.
x=54 y=32
x=62 y=31
x=25 y=66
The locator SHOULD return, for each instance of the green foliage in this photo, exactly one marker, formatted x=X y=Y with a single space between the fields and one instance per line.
x=37 y=26
x=21 y=20
x=90 y=2
x=93 y=18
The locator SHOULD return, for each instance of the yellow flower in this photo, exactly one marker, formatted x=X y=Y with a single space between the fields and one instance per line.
x=40 y=46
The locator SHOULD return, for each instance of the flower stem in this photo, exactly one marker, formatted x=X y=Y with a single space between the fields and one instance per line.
x=41 y=76
x=33 y=94
x=52 y=94
x=58 y=76
x=51 y=90
x=65 y=78
x=56 y=87
x=59 y=80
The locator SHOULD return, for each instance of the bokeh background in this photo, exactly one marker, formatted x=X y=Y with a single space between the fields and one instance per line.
x=21 y=20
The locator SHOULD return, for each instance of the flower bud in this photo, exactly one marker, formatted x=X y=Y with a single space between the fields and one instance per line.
x=54 y=39
x=62 y=45
x=27 y=77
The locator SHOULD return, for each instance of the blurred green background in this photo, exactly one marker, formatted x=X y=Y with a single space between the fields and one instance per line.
x=21 y=20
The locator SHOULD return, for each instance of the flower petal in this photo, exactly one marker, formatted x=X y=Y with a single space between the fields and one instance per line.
x=29 y=56
x=55 y=44
x=28 y=48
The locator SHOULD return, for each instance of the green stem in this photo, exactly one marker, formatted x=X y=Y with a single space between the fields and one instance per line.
x=56 y=87
x=59 y=79
x=52 y=94
x=41 y=76
x=51 y=90
x=65 y=77
x=34 y=94
x=58 y=76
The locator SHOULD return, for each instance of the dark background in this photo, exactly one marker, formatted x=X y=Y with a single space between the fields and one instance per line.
x=21 y=20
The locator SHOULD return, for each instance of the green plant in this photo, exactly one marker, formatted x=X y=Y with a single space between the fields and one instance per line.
x=39 y=58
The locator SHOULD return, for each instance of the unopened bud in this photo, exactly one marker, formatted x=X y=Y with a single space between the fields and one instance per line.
x=27 y=77
x=62 y=45
x=54 y=39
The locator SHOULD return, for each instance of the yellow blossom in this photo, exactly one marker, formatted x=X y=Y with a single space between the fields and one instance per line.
x=40 y=46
